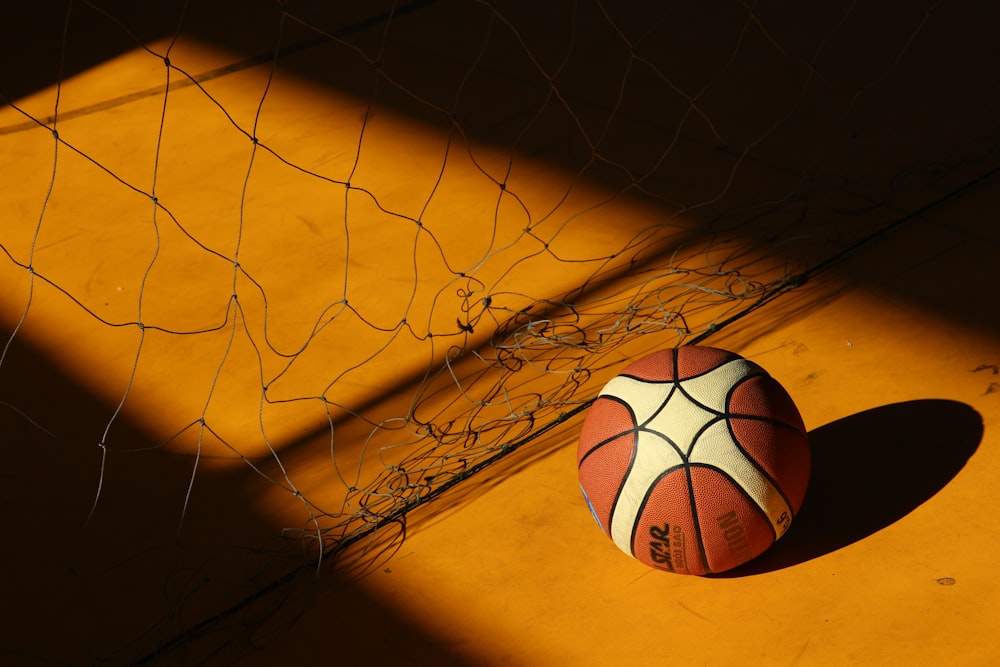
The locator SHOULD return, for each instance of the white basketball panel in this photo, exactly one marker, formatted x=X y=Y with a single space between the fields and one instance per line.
x=645 y=398
x=711 y=389
x=653 y=457
x=717 y=448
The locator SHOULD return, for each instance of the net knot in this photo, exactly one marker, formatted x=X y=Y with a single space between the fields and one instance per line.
x=797 y=280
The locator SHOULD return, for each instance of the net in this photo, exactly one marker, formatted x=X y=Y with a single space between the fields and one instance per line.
x=276 y=273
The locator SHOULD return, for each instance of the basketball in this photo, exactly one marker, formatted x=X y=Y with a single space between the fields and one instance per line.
x=693 y=460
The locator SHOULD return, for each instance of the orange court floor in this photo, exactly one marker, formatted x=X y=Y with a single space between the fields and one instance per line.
x=269 y=272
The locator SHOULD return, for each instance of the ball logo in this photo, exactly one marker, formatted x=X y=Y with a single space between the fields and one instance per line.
x=735 y=536
x=666 y=547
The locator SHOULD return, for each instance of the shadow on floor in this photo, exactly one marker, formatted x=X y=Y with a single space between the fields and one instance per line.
x=871 y=469
x=115 y=587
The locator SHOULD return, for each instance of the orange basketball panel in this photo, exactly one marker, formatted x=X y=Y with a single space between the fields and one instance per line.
x=601 y=474
x=733 y=529
x=607 y=418
x=781 y=452
x=657 y=367
x=665 y=536
x=763 y=396
x=693 y=361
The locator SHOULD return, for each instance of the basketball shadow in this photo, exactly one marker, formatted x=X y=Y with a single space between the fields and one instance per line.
x=870 y=470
